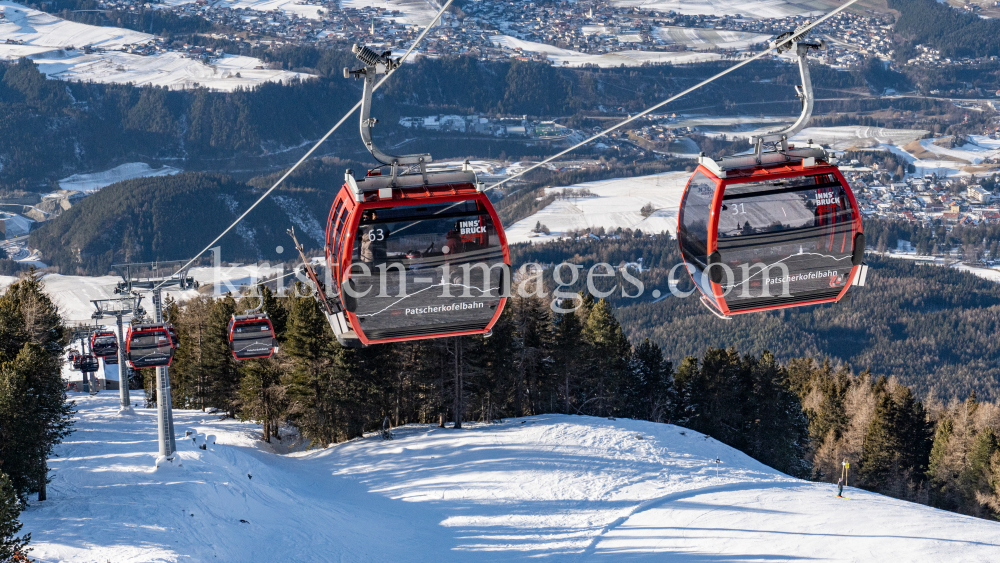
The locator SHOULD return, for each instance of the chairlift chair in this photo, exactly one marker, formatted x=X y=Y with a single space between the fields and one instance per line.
x=772 y=229
x=149 y=345
x=411 y=254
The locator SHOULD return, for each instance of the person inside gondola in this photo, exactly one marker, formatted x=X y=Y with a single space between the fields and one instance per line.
x=374 y=241
x=454 y=243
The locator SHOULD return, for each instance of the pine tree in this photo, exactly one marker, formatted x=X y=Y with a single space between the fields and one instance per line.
x=975 y=479
x=10 y=509
x=188 y=373
x=261 y=395
x=276 y=311
x=34 y=413
x=568 y=357
x=686 y=391
x=715 y=392
x=646 y=392
x=34 y=417
x=530 y=323
x=609 y=357
x=496 y=365
x=880 y=452
x=222 y=375
x=777 y=431
x=314 y=382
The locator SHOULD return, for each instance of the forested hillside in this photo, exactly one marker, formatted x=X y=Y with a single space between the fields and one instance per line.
x=933 y=328
x=802 y=416
x=956 y=33
x=173 y=218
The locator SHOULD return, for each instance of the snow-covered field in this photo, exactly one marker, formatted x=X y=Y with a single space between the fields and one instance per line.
x=555 y=487
x=943 y=168
x=746 y=8
x=287 y=6
x=840 y=138
x=858 y=136
x=708 y=38
x=48 y=40
x=39 y=29
x=416 y=12
x=129 y=171
x=568 y=57
x=615 y=203
x=981 y=148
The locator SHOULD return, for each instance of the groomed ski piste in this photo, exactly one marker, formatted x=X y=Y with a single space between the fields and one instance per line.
x=550 y=488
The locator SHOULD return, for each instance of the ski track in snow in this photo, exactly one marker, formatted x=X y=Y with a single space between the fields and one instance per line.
x=565 y=488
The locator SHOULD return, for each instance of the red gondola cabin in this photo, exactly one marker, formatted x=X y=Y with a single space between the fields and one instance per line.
x=104 y=344
x=149 y=346
x=251 y=336
x=768 y=231
x=412 y=259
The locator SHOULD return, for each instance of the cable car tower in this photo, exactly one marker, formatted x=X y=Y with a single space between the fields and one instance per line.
x=119 y=308
x=146 y=275
x=87 y=363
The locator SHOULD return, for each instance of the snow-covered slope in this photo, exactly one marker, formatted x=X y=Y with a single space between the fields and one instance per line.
x=40 y=29
x=560 y=488
x=129 y=171
x=615 y=203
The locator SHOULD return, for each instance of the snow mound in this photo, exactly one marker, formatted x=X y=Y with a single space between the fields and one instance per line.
x=567 y=488
x=614 y=203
